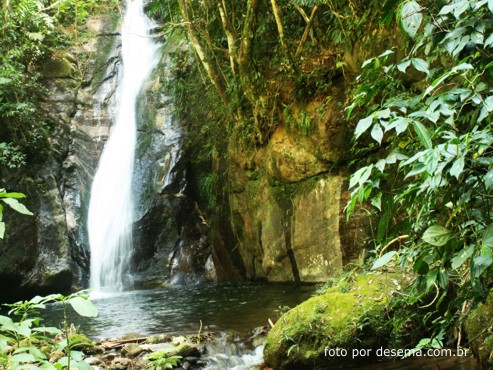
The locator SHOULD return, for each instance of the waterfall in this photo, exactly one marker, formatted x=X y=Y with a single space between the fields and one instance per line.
x=110 y=215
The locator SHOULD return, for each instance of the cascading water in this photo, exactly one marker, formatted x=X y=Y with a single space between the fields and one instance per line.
x=110 y=215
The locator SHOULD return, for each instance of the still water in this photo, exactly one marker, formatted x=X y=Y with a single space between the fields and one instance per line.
x=235 y=308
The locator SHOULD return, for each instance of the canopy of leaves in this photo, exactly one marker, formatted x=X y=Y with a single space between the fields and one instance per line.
x=430 y=115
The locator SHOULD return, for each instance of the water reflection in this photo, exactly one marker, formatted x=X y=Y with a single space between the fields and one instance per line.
x=180 y=309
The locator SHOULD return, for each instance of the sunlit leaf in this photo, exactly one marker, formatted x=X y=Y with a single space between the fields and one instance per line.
x=377 y=133
x=410 y=17
x=462 y=257
x=437 y=235
x=457 y=167
x=16 y=205
x=423 y=134
x=363 y=125
x=83 y=307
x=382 y=261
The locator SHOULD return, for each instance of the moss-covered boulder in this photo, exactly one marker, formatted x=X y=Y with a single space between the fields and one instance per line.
x=479 y=330
x=346 y=316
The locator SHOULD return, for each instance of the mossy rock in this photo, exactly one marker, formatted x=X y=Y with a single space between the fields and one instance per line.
x=349 y=315
x=81 y=343
x=186 y=350
x=58 y=68
x=479 y=330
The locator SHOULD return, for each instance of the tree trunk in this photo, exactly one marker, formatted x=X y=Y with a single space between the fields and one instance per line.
x=280 y=30
x=245 y=50
x=192 y=32
x=229 y=35
x=307 y=31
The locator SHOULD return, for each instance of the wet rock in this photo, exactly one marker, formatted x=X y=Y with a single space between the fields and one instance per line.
x=153 y=339
x=178 y=340
x=127 y=348
x=186 y=350
x=92 y=360
x=158 y=347
x=135 y=352
x=130 y=336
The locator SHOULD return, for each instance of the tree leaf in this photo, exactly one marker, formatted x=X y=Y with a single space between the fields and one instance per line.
x=47 y=329
x=437 y=235
x=83 y=307
x=16 y=205
x=22 y=357
x=382 y=261
x=377 y=201
x=363 y=125
x=6 y=323
x=462 y=257
x=420 y=65
x=488 y=180
x=480 y=264
x=403 y=66
x=457 y=167
x=488 y=236
x=377 y=133
x=423 y=134
x=410 y=18
x=2 y=229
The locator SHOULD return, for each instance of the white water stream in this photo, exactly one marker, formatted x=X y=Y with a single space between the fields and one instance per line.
x=110 y=215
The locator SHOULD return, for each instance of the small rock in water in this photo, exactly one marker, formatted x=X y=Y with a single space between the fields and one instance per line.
x=186 y=350
x=186 y=365
x=178 y=340
x=92 y=360
x=158 y=339
x=131 y=336
x=158 y=347
x=191 y=359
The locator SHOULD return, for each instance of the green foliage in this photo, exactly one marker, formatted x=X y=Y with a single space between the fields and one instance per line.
x=26 y=344
x=33 y=32
x=208 y=188
x=11 y=200
x=160 y=360
x=431 y=114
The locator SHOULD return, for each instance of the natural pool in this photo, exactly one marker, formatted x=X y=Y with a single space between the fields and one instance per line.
x=231 y=310
x=232 y=307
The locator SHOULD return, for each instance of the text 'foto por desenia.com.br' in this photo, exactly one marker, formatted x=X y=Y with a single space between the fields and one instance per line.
x=394 y=352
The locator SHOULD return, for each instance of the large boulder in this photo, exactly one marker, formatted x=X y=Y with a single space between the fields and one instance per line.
x=479 y=325
x=346 y=316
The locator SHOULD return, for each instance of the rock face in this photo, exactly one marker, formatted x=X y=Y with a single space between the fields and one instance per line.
x=169 y=241
x=349 y=315
x=49 y=252
x=287 y=201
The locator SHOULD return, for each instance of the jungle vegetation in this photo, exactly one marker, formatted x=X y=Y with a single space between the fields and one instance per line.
x=421 y=113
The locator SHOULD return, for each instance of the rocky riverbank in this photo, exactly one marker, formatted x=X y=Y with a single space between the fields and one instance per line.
x=198 y=351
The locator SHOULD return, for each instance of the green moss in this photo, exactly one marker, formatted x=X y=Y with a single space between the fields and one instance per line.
x=346 y=316
x=478 y=327
x=80 y=342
